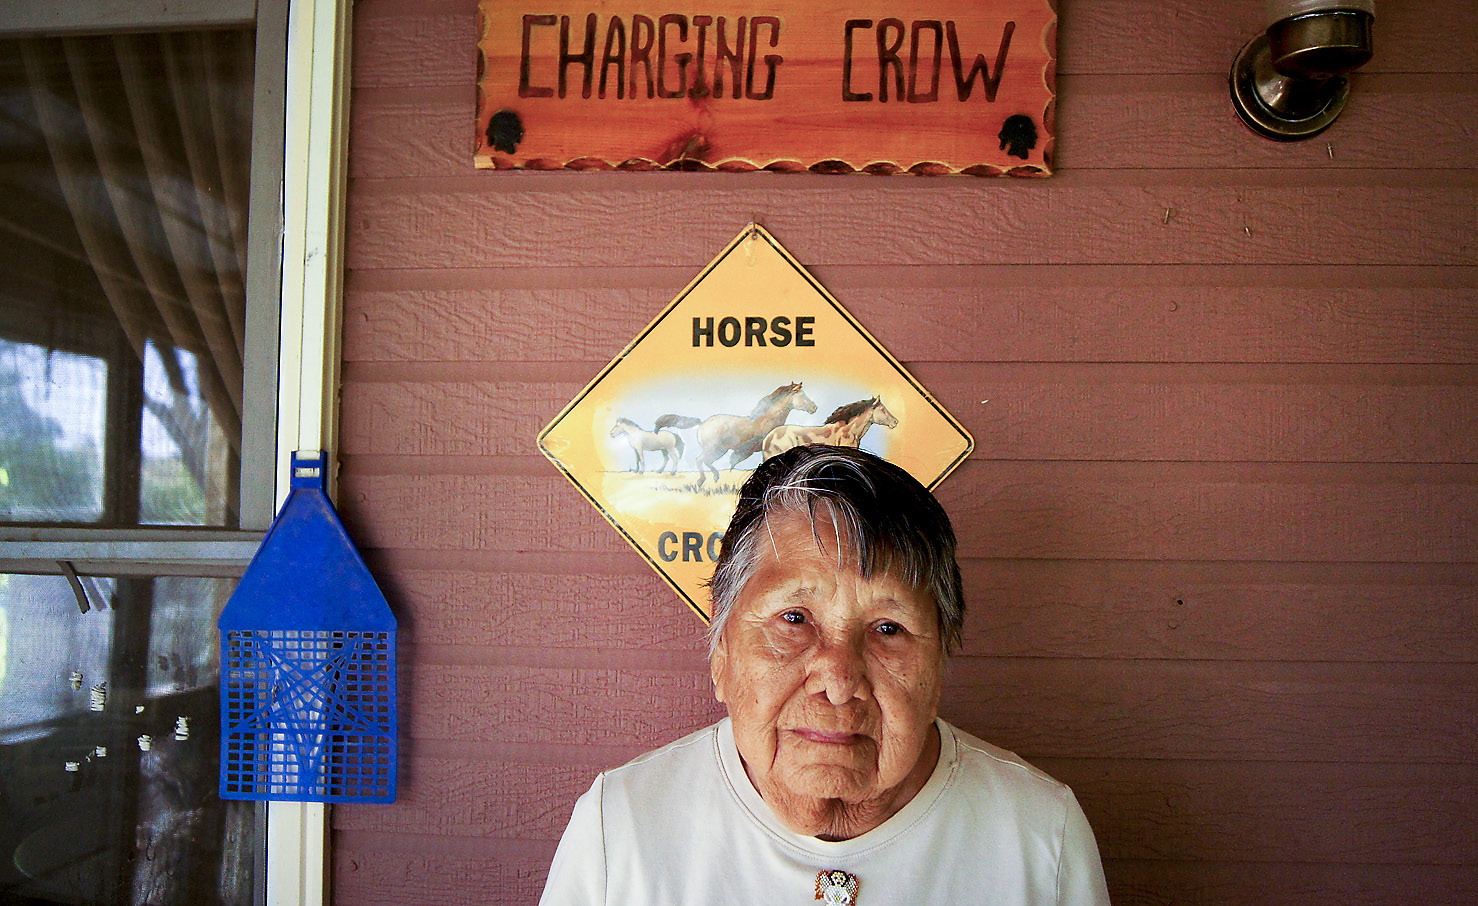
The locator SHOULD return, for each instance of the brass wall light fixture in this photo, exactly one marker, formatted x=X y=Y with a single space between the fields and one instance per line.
x=1290 y=82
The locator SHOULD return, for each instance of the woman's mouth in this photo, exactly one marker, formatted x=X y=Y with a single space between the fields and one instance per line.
x=829 y=737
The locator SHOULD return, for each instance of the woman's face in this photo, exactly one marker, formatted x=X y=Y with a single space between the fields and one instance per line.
x=832 y=682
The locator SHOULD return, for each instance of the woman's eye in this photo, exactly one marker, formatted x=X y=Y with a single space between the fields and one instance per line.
x=889 y=628
x=794 y=617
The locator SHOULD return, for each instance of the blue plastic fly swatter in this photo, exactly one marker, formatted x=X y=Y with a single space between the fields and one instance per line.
x=308 y=662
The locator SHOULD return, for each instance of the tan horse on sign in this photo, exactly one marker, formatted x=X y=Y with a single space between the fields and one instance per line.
x=739 y=435
x=843 y=428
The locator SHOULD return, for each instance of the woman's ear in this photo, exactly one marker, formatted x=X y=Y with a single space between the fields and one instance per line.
x=717 y=667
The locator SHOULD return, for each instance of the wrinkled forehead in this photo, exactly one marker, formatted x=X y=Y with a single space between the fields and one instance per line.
x=806 y=562
x=804 y=526
x=819 y=527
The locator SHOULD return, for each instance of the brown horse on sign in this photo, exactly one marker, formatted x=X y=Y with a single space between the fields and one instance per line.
x=741 y=435
x=843 y=428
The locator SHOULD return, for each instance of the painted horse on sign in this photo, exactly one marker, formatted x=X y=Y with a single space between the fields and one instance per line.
x=843 y=428
x=643 y=441
x=741 y=435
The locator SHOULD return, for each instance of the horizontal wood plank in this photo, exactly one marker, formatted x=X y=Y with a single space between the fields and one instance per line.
x=1128 y=122
x=1015 y=608
x=1042 y=708
x=410 y=870
x=1218 y=812
x=1229 y=313
x=417 y=42
x=1248 y=511
x=503 y=800
x=1201 y=413
x=1159 y=883
x=1247 y=711
x=460 y=607
x=439 y=417
x=1164 y=811
x=530 y=653
x=1135 y=36
x=1212 y=413
x=1107 y=122
x=556 y=707
x=1098 y=511
x=1221 y=611
x=413 y=870
x=611 y=222
x=433 y=42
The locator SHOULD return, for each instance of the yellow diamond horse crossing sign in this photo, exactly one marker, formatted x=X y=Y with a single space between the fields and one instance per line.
x=752 y=358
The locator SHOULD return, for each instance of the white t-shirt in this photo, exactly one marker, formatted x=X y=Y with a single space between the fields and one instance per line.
x=683 y=826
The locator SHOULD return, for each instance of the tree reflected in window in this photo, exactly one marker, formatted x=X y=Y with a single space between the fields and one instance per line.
x=125 y=163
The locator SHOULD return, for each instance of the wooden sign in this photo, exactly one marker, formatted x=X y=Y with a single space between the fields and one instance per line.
x=925 y=87
x=753 y=358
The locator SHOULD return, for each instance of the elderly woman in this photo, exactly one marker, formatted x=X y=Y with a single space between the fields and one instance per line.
x=835 y=599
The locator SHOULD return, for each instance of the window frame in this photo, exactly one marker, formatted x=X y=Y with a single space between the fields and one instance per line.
x=169 y=551
x=294 y=285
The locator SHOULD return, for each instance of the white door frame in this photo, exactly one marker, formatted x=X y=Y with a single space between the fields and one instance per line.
x=307 y=411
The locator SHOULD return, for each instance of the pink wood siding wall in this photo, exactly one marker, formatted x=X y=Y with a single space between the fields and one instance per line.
x=1221 y=525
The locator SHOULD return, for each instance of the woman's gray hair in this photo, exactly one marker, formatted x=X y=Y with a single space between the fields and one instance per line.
x=885 y=518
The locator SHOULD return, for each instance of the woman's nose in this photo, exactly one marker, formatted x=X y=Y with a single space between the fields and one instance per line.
x=836 y=671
